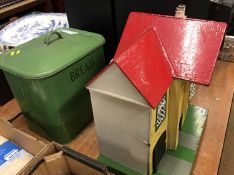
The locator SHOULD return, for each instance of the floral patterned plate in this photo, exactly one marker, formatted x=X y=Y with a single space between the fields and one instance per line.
x=31 y=26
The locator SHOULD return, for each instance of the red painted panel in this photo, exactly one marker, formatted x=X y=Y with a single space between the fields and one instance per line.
x=146 y=66
x=192 y=45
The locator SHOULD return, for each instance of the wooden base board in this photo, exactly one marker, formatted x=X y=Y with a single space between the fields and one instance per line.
x=180 y=161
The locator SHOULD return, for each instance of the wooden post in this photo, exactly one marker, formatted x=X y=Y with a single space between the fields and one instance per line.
x=178 y=100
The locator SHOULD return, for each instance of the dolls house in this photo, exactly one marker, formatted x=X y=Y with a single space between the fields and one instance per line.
x=130 y=104
x=192 y=48
x=140 y=99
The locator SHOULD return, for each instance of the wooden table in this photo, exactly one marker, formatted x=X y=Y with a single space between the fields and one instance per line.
x=217 y=98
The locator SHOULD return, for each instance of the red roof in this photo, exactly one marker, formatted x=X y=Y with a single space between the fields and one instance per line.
x=192 y=45
x=145 y=64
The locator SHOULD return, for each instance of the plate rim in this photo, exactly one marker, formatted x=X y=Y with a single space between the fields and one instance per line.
x=23 y=18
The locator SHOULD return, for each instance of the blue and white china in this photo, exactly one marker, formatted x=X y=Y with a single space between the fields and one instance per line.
x=31 y=26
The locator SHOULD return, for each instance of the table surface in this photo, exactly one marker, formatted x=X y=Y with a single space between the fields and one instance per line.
x=217 y=97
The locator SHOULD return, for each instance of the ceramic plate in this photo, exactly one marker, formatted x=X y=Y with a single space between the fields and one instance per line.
x=31 y=26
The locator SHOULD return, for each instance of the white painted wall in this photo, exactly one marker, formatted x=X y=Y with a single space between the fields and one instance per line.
x=123 y=130
x=122 y=119
x=114 y=82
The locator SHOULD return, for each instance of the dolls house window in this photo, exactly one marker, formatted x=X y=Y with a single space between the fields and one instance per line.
x=161 y=112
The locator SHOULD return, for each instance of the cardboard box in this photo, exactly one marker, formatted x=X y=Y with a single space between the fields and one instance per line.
x=10 y=111
x=12 y=157
x=59 y=160
x=23 y=140
x=21 y=123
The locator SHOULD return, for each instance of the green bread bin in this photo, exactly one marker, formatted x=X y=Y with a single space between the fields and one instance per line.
x=47 y=76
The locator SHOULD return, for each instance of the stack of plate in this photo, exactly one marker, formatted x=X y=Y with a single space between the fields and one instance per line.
x=31 y=26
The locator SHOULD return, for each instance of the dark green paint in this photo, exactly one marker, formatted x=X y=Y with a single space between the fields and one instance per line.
x=82 y=70
x=55 y=106
x=157 y=174
x=116 y=167
x=183 y=153
x=38 y=60
x=194 y=120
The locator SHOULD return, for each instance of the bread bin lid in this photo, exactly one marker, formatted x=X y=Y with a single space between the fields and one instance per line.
x=50 y=53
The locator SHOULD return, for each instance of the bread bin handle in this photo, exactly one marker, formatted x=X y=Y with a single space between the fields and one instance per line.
x=47 y=40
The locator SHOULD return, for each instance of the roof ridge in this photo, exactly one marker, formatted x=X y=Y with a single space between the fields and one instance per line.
x=192 y=45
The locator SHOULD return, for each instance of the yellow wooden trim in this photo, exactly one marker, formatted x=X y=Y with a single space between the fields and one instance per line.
x=176 y=94
x=177 y=104
x=185 y=99
x=154 y=136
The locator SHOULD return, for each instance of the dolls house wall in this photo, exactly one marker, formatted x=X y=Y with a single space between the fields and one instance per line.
x=113 y=82
x=122 y=119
